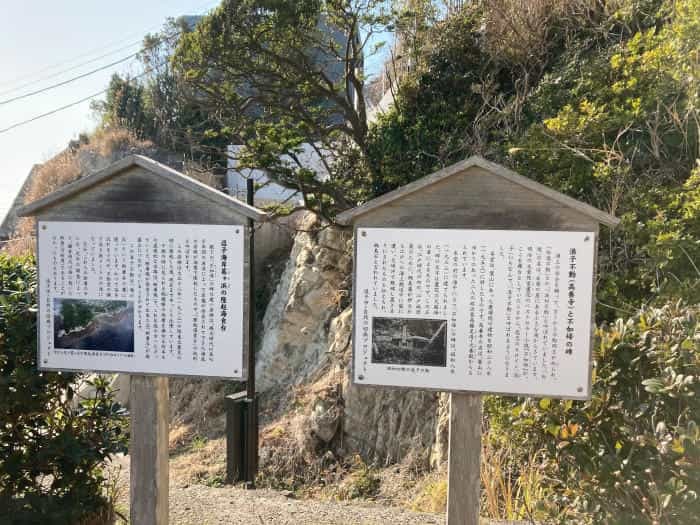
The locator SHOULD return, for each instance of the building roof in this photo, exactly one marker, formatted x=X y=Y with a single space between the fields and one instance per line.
x=158 y=169
x=349 y=216
x=9 y=223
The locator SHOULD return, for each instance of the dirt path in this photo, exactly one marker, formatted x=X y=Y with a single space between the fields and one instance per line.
x=196 y=504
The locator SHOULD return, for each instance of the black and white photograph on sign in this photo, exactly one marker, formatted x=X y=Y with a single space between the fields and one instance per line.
x=91 y=324
x=404 y=341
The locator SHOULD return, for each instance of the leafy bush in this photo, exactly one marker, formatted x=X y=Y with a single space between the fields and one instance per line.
x=618 y=127
x=363 y=481
x=606 y=108
x=436 y=114
x=52 y=448
x=632 y=453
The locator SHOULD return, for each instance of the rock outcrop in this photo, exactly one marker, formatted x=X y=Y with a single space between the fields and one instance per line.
x=297 y=320
x=305 y=341
x=383 y=425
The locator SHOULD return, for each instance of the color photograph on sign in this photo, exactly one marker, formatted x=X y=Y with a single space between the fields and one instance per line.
x=88 y=324
x=474 y=310
x=141 y=298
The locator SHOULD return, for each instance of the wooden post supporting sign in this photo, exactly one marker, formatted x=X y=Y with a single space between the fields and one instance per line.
x=148 y=486
x=464 y=459
x=506 y=265
x=160 y=261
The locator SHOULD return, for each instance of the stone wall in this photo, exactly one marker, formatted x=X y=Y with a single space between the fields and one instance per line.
x=383 y=425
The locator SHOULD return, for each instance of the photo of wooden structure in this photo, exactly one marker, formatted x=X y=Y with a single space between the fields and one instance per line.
x=402 y=341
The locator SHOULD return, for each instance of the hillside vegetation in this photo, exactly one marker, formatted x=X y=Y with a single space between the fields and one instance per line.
x=596 y=99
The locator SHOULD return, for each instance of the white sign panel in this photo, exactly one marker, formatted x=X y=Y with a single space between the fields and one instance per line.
x=141 y=298
x=474 y=310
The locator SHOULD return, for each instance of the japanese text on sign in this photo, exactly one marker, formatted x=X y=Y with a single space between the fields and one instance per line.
x=474 y=310
x=142 y=298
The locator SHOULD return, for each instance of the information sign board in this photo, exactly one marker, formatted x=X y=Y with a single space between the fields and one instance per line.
x=474 y=310
x=141 y=298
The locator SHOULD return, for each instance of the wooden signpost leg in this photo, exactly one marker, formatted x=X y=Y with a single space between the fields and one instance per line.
x=149 y=450
x=464 y=480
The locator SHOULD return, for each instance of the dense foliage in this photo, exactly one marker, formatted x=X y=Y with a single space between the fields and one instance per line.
x=632 y=453
x=159 y=106
x=602 y=104
x=52 y=446
x=282 y=76
x=599 y=101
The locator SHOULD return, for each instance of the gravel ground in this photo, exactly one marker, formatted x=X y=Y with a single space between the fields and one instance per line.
x=203 y=505
x=195 y=504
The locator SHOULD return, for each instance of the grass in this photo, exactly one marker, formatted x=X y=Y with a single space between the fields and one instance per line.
x=364 y=483
x=68 y=166
x=511 y=489
x=432 y=499
x=198 y=443
x=359 y=481
x=212 y=480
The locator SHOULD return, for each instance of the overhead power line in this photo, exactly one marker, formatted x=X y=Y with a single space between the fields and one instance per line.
x=65 y=62
x=85 y=99
x=77 y=66
x=89 y=53
x=59 y=84
x=89 y=73
x=18 y=124
x=94 y=95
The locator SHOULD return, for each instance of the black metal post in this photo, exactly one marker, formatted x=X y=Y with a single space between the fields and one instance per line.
x=241 y=409
x=252 y=413
x=235 y=437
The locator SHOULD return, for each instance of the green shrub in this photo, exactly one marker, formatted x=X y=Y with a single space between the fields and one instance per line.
x=52 y=449
x=433 y=121
x=632 y=453
x=432 y=499
x=609 y=114
x=362 y=482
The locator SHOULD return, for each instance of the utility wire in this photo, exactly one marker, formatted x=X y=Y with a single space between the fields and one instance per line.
x=72 y=68
x=84 y=99
x=18 y=124
x=65 y=62
x=22 y=123
x=89 y=73
x=59 y=73
x=54 y=86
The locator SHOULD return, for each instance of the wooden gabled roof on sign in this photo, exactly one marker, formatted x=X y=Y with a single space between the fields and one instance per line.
x=349 y=216
x=156 y=168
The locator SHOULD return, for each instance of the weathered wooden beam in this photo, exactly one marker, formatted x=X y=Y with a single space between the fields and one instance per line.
x=476 y=164
x=464 y=479
x=148 y=449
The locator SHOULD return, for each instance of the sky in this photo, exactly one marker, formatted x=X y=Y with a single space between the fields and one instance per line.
x=44 y=42
x=38 y=35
